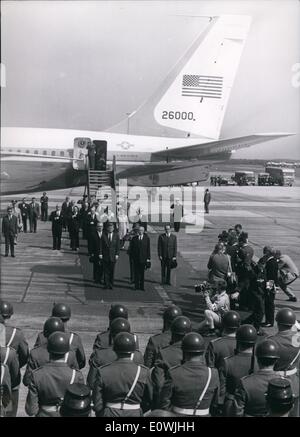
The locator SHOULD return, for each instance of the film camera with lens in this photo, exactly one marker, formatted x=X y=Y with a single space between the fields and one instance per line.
x=202 y=287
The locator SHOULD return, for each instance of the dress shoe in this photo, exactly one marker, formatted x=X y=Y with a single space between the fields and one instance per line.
x=13 y=256
x=292 y=299
x=267 y=325
x=6 y=254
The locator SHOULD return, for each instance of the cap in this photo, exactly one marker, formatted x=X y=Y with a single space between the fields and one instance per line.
x=280 y=392
x=77 y=401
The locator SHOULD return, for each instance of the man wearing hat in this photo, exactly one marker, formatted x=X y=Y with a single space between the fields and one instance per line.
x=279 y=397
x=49 y=383
x=191 y=388
x=77 y=401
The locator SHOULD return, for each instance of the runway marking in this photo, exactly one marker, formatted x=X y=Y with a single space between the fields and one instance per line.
x=162 y=293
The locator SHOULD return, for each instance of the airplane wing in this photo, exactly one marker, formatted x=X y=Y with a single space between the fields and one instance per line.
x=35 y=155
x=204 y=150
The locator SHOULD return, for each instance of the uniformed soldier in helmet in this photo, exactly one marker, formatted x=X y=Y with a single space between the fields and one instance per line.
x=49 y=383
x=14 y=338
x=122 y=388
x=63 y=311
x=5 y=388
x=249 y=396
x=103 y=339
x=191 y=388
x=169 y=356
x=39 y=355
x=223 y=347
x=240 y=364
x=77 y=401
x=158 y=341
x=288 y=342
x=279 y=397
x=100 y=357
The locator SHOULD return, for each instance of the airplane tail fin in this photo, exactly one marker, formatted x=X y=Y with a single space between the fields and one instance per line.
x=193 y=98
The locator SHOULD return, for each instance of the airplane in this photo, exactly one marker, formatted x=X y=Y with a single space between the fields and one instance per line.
x=171 y=139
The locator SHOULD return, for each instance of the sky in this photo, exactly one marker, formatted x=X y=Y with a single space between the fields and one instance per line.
x=85 y=64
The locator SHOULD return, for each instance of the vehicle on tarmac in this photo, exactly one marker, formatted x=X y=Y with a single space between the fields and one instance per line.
x=264 y=179
x=281 y=176
x=244 y=178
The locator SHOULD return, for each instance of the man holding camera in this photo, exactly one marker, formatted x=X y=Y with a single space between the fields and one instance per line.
x=217 y=306
x=271 y=269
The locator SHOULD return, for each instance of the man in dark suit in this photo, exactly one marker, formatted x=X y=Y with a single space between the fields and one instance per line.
x=24 y=208
x=10 y=230
x=34 y=213
x=167 y=252
x=64 y=209
x=96 y=242
x=140 y=252
x=207 y=199
x=91 y=221
x=109 y=253
x=57 y=220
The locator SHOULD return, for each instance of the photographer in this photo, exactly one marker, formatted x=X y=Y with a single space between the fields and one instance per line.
x=217 y=306
x=271 y=267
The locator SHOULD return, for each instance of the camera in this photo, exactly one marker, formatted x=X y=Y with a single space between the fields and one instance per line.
x=202 y=287
x=270 y=285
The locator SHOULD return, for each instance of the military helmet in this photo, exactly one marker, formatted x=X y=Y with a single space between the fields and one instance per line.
x=231 y=320
x=171 y=313
x=58 y=343
x=267 y=349
x=62 y=311
x=77 y=401
x=246 y=334
x=124 y=342
x=280 y=392
x=119 y=325
x=286 y=317
x=53 y=324
x=193 y=343
x=6 y=309
x=118 y=311
x=181 y=325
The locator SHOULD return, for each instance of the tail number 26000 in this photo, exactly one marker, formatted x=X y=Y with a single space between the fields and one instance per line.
x=178 y=115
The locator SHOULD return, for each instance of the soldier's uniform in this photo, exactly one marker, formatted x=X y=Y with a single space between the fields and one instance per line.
x=15 y=339
x=5 y=387
x=122 y=389
x=40 y=356
x=250 y=399
x=232 y=370
x=155 y=343
x=8 y=357
x=101 y=357
x=75 y=345
x=218 y=349
x=190 y=389
x=168 y=357
x=47 y=388
x=103 y=340
x=288 y=363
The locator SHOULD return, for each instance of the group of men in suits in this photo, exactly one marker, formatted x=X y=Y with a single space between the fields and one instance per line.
x=30 y=211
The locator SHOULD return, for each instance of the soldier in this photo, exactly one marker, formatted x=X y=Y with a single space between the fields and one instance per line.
x=158 y=341
x=24 y=208
x=57 y=220
x=223 y=347
x=40 y=355
x=250 y=399
x=235 y=367
x=9 y=358
x=44 y=207
x=191 y=388
x=77 y=401
x=34 y=213
x=49 y=383
x=280 y=398
x=63 y=311
x=100 y=357
x=122 y=388
x=5 y=387
x=289 y=352
x=169 y=356
x=104 y=340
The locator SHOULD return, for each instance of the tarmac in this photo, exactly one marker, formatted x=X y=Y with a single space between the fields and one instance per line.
x=39 y=276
